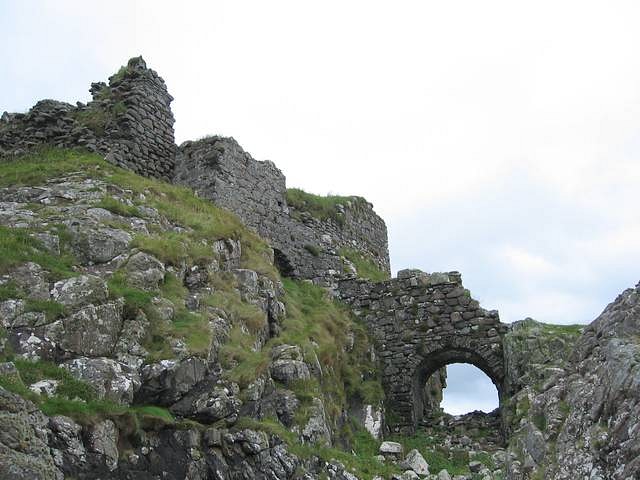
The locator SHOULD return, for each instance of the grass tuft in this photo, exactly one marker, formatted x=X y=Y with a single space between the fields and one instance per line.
x=322 y=208
x=365 y=266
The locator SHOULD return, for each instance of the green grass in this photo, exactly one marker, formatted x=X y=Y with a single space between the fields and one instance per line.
x=174 y=248
x=52 y=310
x=119 y=208
x=319 y=326
x=94 y=118
x=201 y=220
x=191 y=327
x=323 y=208
x=312 y=249
x=17 y=246
x=134 y=298
x=365 y=266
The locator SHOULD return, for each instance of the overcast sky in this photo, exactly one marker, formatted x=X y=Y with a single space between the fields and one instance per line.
x=500 y=139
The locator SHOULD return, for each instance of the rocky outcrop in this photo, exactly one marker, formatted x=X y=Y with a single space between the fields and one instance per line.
x=577 y=417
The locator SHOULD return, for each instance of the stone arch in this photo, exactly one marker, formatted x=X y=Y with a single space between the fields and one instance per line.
x=441 y=358
x=422 y=322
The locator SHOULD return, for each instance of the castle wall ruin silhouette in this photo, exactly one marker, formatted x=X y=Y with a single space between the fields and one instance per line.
x=420 y=322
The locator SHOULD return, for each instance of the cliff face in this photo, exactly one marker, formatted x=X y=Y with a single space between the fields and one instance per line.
x=224 y=326
x=577 y=414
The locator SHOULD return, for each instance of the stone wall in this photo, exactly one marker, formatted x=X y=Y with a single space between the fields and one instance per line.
x=129 y=122
x=420 y=323
x=306 y=247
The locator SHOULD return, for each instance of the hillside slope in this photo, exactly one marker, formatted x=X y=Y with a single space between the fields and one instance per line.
x=143 y=329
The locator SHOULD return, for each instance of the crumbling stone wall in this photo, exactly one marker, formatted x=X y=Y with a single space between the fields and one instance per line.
x=420 y=323
x=219 y=169
x=129 y=122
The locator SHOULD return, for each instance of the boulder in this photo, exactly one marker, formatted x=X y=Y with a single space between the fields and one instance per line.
x=444 y=475
x=25 y=454
x=317 y=431
x=209 y=402
x=110 y=379
x=416 y=462
x=66 y=442
x=281 y=404
x=45 y=387
x=103 y=322
x=167 y=381
x=32 y=279
x=287 y=365
x=79 y=291
x=102 y=438
x=144 y=271
x=391 y=449
x=98 y=245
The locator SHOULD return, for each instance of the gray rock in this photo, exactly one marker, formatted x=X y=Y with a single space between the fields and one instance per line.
x=391 y=449
x=444 y=475
x=110 y=379
x=281 y=404
x=144 y=271
x=475 y=466
x=102 y=438
x=79 y=291
x=167 y=381
x=66 y=442
x=287 y=365
x=25 y=454
x=317 y=431
x=32 y=279
x=98 y=245
x=103 y=321
x=416 y=462
x=44 y=387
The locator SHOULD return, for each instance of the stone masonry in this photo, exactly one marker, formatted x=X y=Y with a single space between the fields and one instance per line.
x=219 y=169
x=420 y=323
x=129 y=122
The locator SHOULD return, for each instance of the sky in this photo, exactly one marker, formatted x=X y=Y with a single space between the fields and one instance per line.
x=497 y=138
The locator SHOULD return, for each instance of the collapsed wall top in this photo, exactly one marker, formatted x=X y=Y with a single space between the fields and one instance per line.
x=306 y=246
x=129 y=122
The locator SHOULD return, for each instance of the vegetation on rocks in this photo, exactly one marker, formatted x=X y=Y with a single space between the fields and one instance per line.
x=365 y=266
x=320 y=207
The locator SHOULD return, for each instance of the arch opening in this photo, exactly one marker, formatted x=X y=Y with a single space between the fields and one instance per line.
x=473 y=413
x=437 y=361
x=467 y=390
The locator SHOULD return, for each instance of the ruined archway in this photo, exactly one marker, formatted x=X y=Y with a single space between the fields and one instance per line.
x=422 y=322
x=440 y=359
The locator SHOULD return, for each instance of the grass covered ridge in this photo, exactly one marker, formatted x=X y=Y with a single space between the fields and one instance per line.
x=201 y=220
x=365 y=266
x=328 y=335
x=323 y=208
